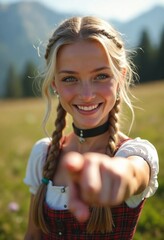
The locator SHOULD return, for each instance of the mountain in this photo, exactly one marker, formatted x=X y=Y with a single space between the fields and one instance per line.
x=151 y=21
x=26 y=25
x=23 y=26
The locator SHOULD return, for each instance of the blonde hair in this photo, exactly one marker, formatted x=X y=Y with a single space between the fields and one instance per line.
x=68 y=32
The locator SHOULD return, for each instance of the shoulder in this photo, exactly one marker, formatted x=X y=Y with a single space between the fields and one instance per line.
x=35 y=164
x=39 y=151
x=122 y=137
x=138 y=146
x=41 y=145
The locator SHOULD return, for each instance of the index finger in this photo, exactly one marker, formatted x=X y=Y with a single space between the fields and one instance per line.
x=73 y=162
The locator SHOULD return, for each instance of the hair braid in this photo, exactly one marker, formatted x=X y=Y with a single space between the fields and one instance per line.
x=49 y=46
x=113 y=129
x=49 y=169
x=54 y=151
x=113 y=38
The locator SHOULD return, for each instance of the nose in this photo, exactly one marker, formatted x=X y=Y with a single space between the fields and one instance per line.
x=87 y=92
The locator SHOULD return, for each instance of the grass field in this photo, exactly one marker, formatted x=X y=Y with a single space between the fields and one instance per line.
x=20 y=127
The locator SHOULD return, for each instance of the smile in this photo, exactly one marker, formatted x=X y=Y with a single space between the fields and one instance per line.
x=87 y=108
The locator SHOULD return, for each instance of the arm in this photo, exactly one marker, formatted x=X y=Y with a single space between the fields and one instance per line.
x=32 y=233
x=96 y=179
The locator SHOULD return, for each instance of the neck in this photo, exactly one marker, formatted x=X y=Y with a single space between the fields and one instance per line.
x=84 y=134
x=94 y=144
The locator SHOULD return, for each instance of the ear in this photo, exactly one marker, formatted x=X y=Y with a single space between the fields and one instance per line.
x=53 y=85
x=118 y=88
x=124 y=71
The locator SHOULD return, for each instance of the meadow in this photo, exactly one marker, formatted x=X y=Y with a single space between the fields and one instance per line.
x=20 y=127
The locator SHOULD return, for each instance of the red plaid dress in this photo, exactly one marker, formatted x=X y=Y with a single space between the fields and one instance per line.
x=64 y=226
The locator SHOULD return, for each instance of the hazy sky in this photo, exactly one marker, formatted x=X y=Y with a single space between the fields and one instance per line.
x=117 y=9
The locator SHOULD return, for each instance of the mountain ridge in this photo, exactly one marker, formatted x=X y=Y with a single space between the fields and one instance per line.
x=24 y=25
x=144 y=22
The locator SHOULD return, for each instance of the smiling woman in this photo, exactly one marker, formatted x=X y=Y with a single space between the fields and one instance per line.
x=84 y=83
x=93 y=182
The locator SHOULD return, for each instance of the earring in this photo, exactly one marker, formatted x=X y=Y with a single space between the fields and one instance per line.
x=56 y=93
x=118 y=95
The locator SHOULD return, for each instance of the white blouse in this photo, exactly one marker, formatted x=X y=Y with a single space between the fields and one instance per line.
x=57 y=196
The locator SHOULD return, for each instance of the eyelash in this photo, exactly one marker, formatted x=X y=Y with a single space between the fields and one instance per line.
x=72 y=79
x=69 y=79
x=102 y=76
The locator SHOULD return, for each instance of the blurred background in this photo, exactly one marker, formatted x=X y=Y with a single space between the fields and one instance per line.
x=25 y=27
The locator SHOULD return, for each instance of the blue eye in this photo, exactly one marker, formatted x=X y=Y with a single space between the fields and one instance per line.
x=69 y=79
x=102 y=76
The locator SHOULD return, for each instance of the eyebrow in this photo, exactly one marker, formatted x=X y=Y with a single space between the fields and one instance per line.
x=67 y=71
x=74 y=72
x=101 y=68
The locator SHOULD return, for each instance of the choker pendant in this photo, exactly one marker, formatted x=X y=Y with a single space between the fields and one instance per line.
x=93 y=132
x=81 y=138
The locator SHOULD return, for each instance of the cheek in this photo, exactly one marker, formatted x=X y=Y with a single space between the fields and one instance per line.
x=63 y=91
x=109 y=91
x=66 y=95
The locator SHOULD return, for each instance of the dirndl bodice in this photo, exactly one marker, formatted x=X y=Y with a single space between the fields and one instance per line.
x=64 y=226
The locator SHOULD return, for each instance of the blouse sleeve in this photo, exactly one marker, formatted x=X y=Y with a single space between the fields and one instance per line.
x=144 y=149
x=35 y=165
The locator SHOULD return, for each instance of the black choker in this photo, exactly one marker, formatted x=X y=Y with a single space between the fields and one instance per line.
x=86 y=133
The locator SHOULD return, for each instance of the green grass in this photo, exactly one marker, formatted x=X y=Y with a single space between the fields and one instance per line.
x=20 y=127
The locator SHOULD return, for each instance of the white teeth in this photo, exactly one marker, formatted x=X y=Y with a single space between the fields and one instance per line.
x=87 y=108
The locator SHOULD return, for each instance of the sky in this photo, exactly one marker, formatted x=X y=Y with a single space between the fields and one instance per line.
x=122 y=10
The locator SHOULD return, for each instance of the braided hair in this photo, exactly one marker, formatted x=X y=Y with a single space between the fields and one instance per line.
x=68 y=32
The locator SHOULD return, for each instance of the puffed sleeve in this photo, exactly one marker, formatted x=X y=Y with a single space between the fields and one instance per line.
x=35 y=165
x=144 y=149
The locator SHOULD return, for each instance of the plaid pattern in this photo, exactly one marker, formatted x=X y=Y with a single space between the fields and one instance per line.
x=64 y=226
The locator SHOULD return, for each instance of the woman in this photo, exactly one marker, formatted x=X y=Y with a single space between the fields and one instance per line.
x=91 y=183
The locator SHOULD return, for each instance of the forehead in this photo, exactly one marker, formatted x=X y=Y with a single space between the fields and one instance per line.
x=84 y=51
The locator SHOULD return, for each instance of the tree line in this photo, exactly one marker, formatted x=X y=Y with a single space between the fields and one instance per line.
x=149 y=59
x=21 y=85
x=149 y=62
